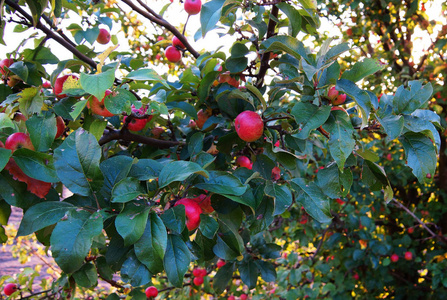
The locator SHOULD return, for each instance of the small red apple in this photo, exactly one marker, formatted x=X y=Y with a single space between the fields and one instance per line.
x=199 y=272
x=339 y=100
x=198 y=281
x=103 y=36
x=244 y=161
x=276 y=173
x=249 y=126
x=339 y=201
x=137 y=124
x=408 y=255
x=303 y=219
x=243 y=296
x=192 y=211
x=177 y=43
x=394 y=257
x=98 y=107
x=356 y=276
x=231 y=298
x=10 y=288
x=160 y=38
x=410 y=230
x=202 y=116
x=19 y=117
x=151 y=291
x=173 y=54
x=193 y=7
x=220 y=263
x=18 y=140
x=225 y=77
x=332 y=93
x=5 y=63
x=60 y=124
x=46 y=85
x=59 y=85
x=204 y=202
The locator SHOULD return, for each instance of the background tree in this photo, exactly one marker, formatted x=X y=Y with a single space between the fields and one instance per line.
x=195 y=181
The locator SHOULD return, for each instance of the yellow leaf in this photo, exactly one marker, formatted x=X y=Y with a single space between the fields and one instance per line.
x=102 y=57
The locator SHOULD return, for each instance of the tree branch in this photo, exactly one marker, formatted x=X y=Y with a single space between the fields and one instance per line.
x=125 y=135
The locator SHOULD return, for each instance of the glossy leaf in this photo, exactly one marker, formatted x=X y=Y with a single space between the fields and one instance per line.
x=179 y=171
x=177 y=259
x=134 y=272
x=310 y=117
x=126 y=190
x=131 y=222
x=42 y=130
x=363 y=68
x=282 y=196
x=36 y=165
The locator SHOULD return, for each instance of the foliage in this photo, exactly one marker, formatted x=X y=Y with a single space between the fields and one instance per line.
x=324 y=229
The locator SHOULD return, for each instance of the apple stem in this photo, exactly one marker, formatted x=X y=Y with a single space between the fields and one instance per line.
x=184 y=27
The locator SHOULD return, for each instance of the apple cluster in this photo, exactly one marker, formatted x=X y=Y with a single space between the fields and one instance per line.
x=198 y=274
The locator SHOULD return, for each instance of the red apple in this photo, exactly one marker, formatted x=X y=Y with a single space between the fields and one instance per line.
x=173 y=54
x=18 y=140
x=410 y=230
x=408 y=255
x=356 y=276
x=158 y=56
x=160 y=38
x=225 y=77
x=220 y=263
x=192 y=211
x=137 y=124
x=202 y=116
x=339 y=100
x=177 y=43
x=394 y=257
x=244 y=161
x=193 y=7
x=339 y=201
x=199 y=272
x=19 y=117
x=332 y=93
x=249 y=126
x=98 y=107
x=276 y=173
x=243 y=296
x=60 y=124
x=103 y=36
x=10 y=288
x=5 y=63
x=204 y=202
x=46 y=85
x=59 y=85
x=198 y=281
x=151 y=291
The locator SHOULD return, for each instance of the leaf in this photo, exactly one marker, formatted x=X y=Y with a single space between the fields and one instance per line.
x=294 y=18
x=131 y=222
x=406 y=101
x=208 y=226
x=224 y=251
x=42 y=215
x=151 y=247
x=223 y=277
x=175 y=218
x=281 y=194
x=37 y=7
x=42 y=130
x=420 y=155
x=334 y=183
x=393 y=126
x=313 y=199
x=72 y=238
x=146 y=169
x=177 y=259
x=249 y=273
x=126 y=190
x=77 y=163
x=179 y=171
x=341 y=141
x=147 y=75
x=416 y=124
x=97 y=84
x=374 y=175
x=310 y=117
x=258 y=95
x=121 y=101
x=5 y=154
x=134 y=272
x=268 y=272
x=114 y=169
x=195 y=144
x=5 y=120
x=5 y=212
x=210 y=15
x=86 y=276
x=30 y=101
x=287 y=44
x=36 y=165
x=360 y=97
x=223 y=183
x=362 y=69
x=14 y=192
x=183 y=106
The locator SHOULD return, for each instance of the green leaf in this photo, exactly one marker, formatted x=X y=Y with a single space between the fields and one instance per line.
x=30 y=101
x=224 y=251
x=151 y=247
x=41 y=55
x=406 y=101
x=268 y=272
x=37 y=7
x=14 y=192
x=341 y=141
x=287 y=44
x=210 y=15
x=179 y=171
x=72 y=238
x=281 y=194
x=177 y=259
x=42 y=215
x=223 y=277
x=258 y=95
x=310 y=117
x=77 y=163
x=36 y=165
x=360 y=97
x=362 y=69
x=393 y=126
x=114 y=169
x=416 y=124
x=249 y=272
x=134 y=272
x=183 y=106
x=5 y=154
x=315 y=202
x=147 y=75
x=97 y=84
x=294 y=18
x=175 y=218
x=121 y=101
x=420 y=155
x=333 y=182
x=131 y=222
x=208 y=226
x=5 y=120
x=375 y=176
x=42 y=131
x=86 y=276
x=5 y=212
x=126 y=190
x=223 y=183
x=146 y=169
x=195 y=144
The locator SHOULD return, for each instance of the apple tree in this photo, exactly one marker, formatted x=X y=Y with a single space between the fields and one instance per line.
x=167 y=170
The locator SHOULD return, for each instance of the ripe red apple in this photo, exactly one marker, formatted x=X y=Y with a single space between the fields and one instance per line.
x=249 y=126
x=173 y=54
x=303 y=219
x=199 y=272
x=231 y=298
x=18 y=140
x=339 y=201
x=9 y=289
x=192 y=211
x=356 y=276
x=193 y=7
x=177 y=43
x=244 y=161
x=137 y=124
x=103 y=36
x=339 y=100
x=202 y=116
x=98 y=107
x=408 y=255
x=276 y=173
x=410 y=230
x=198 y=281
x=60 y=124
x=59 y=84
x=204 y=202
x=220 y=263
x=243 y=296
x=225 y=77
x=46 y=85
x=151 y=291
x=394 y=257
x=5 y=63
x=332 y=93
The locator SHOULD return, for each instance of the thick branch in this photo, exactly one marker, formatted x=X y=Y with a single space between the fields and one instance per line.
x=125 y=135
x=153 y=17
